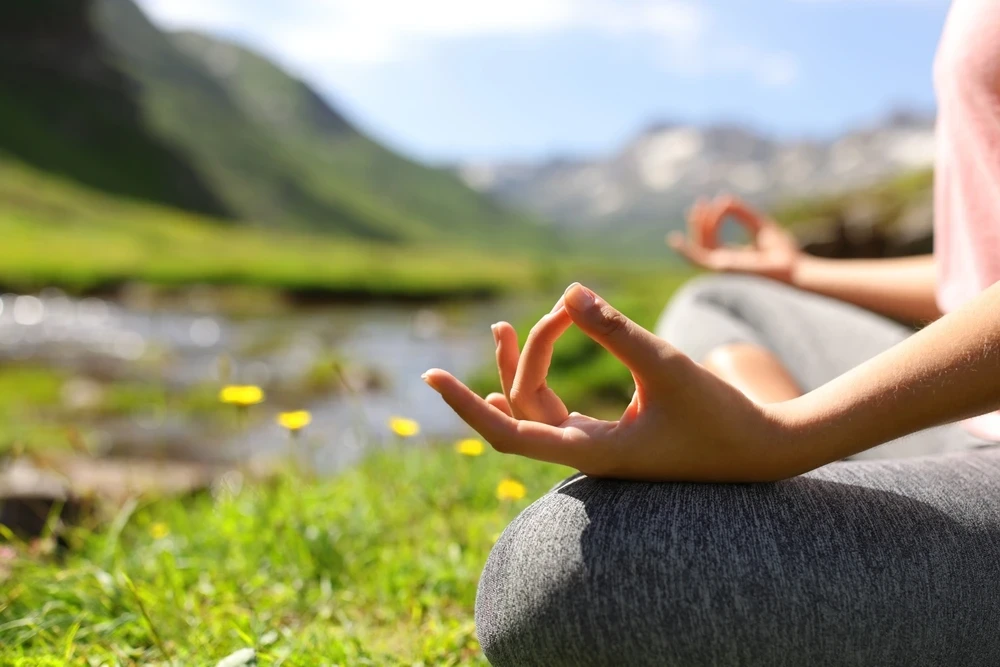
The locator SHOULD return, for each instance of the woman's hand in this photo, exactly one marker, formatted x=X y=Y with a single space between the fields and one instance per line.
x=683 y=422
x=774 y=252
x=523 y=374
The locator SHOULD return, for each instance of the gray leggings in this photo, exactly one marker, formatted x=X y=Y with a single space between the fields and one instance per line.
x=884 y=561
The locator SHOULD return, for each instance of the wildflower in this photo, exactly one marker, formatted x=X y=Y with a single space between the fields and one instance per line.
x=403 y=427
x=510 y=489
x=295 y=421
x=159 y=530
x=470 y=447
x=241 y=395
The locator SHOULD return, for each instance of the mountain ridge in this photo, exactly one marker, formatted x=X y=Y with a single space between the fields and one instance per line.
x=653 y=177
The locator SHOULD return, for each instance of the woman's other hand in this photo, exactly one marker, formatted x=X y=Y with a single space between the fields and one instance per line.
x=773 y=252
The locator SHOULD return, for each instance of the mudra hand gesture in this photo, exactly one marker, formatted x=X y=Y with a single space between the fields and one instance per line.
x=683 y=423
x=772 y=252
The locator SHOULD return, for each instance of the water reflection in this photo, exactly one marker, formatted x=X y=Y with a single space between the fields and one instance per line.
x=393 y=344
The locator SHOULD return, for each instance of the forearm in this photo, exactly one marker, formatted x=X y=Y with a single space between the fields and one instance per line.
x=948 y=371
x=902 y=288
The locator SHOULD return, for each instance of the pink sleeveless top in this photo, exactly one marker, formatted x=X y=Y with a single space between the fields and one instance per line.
x=967 y=167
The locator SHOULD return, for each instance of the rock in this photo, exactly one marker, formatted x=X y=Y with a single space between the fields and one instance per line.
x=31 y=488
x=245 y=657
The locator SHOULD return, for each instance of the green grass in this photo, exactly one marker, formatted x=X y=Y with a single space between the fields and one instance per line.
x=37 y=415
x=55 y=233
x=29 y=396
x=377 y=566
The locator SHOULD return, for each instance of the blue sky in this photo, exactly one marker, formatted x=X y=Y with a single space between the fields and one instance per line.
x=446 y=80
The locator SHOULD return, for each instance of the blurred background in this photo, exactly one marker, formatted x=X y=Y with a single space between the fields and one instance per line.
x=236 y=231
x=324 y=198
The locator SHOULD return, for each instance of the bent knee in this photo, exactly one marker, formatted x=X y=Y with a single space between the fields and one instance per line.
x=602 y=572
x=718 y=290
x=703 y=313
x=526 y=583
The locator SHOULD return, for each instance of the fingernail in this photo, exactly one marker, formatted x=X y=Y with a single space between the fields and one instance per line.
x=427 y=380
x=559 y=304
x=496 y=334
x=579 y=297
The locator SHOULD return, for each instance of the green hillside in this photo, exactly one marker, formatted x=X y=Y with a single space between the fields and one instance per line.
x=338 y=157
x=67 y=108
x=58 y=233
x=95 y=92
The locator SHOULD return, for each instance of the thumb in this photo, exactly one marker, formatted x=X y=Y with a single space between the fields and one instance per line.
x=637 y=348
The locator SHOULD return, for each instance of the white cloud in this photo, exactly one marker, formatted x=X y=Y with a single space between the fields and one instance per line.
x=311 y=34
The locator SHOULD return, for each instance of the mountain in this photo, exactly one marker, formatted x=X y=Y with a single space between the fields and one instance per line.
x=94 y=91
x=657 y=175
x=67 y=108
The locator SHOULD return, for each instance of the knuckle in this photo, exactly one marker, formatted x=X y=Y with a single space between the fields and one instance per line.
x=613 y=323
x=538 y=330
x=497 y=400
x=673 y=364
x=517 y=397
x=501 y=445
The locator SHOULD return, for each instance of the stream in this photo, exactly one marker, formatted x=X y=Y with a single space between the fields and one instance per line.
x=393 y=343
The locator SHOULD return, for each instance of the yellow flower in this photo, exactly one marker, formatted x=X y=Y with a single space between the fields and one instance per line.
x=403 y=427
x=295 y=421
x=241 y=395
x=510 y=489
x=159 y=530
x=470 y=447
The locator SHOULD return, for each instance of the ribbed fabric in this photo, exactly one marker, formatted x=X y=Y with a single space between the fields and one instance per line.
x=878 y=563
x=872 y=562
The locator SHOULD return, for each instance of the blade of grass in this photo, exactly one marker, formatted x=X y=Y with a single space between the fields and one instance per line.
x=149 y=621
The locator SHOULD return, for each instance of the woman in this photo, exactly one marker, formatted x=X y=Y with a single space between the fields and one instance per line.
x=894 y=560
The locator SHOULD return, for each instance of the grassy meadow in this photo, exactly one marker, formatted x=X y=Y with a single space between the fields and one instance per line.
x=377 y=566
x=212 y=166
x=55 y=233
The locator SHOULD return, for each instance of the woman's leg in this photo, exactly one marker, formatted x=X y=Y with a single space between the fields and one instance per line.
x=814 y=337
x=859 y=563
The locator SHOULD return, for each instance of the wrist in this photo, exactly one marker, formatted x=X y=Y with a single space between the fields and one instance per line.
x=803 y=267
x=801 y=440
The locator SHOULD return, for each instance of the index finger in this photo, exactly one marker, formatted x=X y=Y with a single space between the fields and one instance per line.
x=507 y=355
x=739 y=209
x=696 y=223
x=724 y=207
